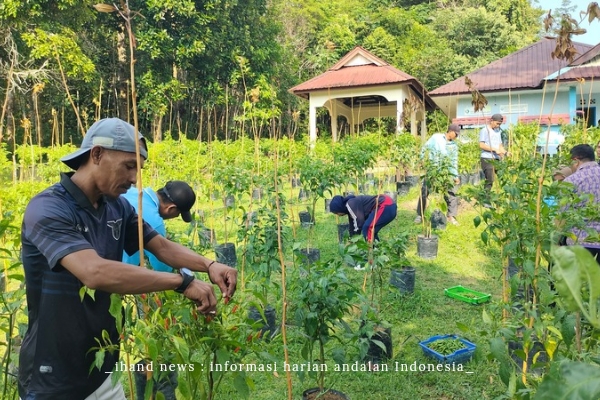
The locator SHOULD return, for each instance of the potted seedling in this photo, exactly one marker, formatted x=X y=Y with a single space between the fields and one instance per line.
x=404 y=153
x=324 y=298
x=261 y=241
x=234 y=181
x=375 y=336
x=439 y=182
x=354 y=158
x=318 y=177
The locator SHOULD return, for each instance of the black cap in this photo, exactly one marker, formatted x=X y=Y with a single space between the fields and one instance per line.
x=182 y=195
x=454 y=128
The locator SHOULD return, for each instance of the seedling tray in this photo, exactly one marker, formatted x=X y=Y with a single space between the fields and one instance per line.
x=467 y=295
x=457 y=357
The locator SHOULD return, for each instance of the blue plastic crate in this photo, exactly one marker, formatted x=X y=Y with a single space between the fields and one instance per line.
x=458 y=357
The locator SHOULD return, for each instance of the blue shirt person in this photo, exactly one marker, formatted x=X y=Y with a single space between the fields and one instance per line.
x=441 y=147
x=174 y=199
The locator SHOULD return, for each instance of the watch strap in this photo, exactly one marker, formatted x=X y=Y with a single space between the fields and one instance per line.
x=187 y=280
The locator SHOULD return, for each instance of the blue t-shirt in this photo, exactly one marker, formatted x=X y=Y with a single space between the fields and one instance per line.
x=151 y=215
x=57 y=351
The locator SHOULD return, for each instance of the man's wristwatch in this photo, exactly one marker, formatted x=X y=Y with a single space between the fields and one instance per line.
x=188 y=277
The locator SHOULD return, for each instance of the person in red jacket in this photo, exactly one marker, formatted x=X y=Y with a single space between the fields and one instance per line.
x=366 y=214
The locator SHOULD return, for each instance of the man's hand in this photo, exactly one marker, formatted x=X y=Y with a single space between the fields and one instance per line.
x=457 y=181
x=203 y=294
x=223 y=276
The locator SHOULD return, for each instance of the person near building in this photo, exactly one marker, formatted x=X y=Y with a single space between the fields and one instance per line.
x=492 y=148
x=441 y=149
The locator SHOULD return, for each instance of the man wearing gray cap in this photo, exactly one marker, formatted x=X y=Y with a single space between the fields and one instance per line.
x=490 y=143
x=441 y=149
x=73 y=235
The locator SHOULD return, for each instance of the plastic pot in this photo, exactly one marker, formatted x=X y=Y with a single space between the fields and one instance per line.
x=306 y=219
x=327 y=204
x=403 y=279
x=343 y=232
x=427 y=247
x=225 y=254
x=438 y=220
x=402 y=188
x=302 y=195
x=208 y=236
x=268 y=325
x=326 y=394
x=375 y=354
x=257 y=194
x=412 y=179
x=309 y=256
x=229 y=201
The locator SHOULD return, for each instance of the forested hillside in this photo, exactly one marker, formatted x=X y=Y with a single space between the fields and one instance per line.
x=220 y=68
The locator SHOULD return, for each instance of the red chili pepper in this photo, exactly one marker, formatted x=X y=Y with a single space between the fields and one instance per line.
x=208 y=317
x=237 y=349
x=143 y=296
x=234 y=309
x=157 y=300
x=226 y=300
x=167 y=323
x=249 y=338
x=195 y=314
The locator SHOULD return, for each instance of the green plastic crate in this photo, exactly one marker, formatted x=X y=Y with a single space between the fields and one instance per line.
x=467 y=295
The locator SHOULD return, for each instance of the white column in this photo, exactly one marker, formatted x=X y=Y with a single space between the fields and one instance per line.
x=334 y=115
x=424 y=128
x=312 y=125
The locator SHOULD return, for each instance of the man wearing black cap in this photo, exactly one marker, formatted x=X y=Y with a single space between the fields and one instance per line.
x=174 y=199
x=490 y=143
x=73 y=235
x=441 y=146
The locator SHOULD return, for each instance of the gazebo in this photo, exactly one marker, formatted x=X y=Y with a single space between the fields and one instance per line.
x=361 y=86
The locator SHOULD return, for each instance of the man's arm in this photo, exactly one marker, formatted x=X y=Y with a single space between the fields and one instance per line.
x=110 y=276
x=178 y=256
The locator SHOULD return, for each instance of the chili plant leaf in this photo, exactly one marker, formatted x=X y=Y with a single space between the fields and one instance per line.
x=570 y=380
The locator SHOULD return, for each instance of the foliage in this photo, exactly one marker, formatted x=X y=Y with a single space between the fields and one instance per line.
x=439 y=181
x=355 y=155
x=404 y=153
x=577 y=280
x=469 y=153
x=261 y=237
x=202 y=344
x=12 y=304
x=325 y=297
x=318 y=177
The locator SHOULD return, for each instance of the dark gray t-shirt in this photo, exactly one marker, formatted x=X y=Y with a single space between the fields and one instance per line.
x=55 y=358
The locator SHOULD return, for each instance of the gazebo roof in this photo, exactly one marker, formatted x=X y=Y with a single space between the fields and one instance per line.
x=360 y=68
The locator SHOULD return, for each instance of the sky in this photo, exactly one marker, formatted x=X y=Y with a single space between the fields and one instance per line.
x=593 y=30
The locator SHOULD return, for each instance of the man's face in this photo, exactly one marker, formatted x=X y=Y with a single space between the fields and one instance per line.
x=117 y=172
x=496 y=124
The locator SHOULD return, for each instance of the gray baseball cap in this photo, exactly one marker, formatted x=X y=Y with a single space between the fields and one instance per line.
x=110 y=133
